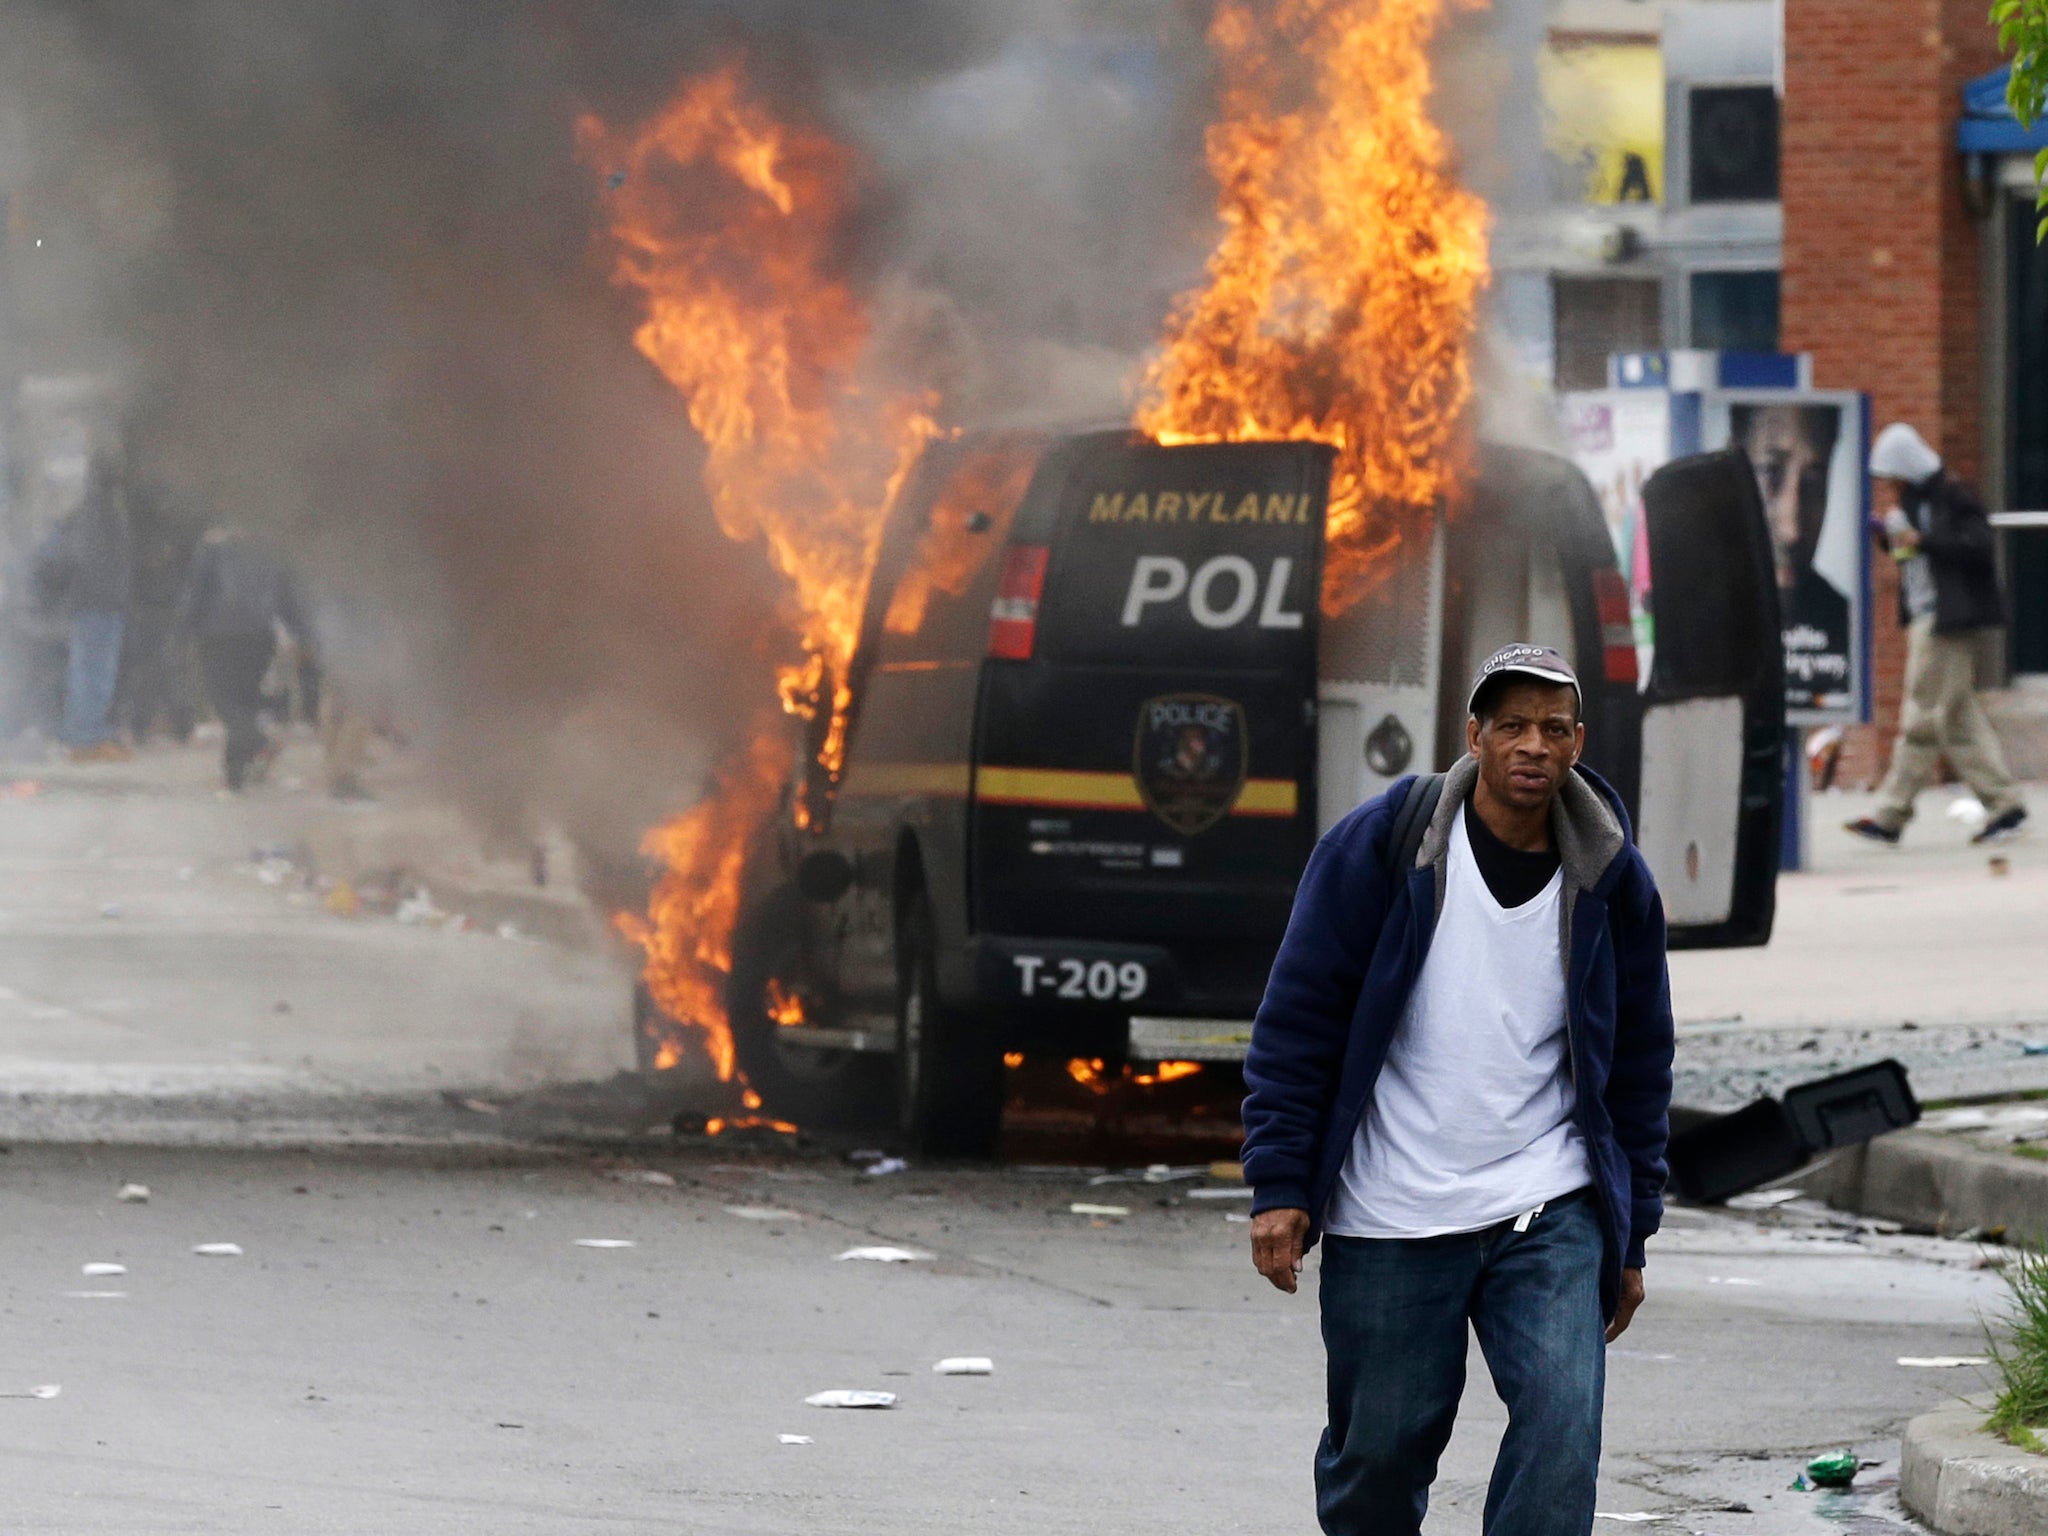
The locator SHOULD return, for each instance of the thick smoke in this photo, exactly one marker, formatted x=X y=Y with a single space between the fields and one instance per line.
x=344 y=264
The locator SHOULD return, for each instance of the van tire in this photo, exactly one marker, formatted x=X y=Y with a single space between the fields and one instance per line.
x=949 y=1080
x=840 y=1090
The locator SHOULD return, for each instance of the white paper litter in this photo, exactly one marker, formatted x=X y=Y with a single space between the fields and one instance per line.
x=218 y=1250
x=1633 y=1517
x=652 y=1176
x=851 y=1397
x=1237 y=1216
x=965 y=1365
x=133 y=1194
x=1942 y=1362
x=1083 y=1208
x=94 y=1270
x=606 y=1242
x=882 y=1254
x=796 y=1439
x=882 y=1165
x=97 y=1295
x=1968 y=810
x=1731 y=1280
x=44 y=1392
x=1228 y=1192
x=1763 y=1199
x=764 y=1213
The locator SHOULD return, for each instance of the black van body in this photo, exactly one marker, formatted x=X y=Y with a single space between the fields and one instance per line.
x=1083 y=767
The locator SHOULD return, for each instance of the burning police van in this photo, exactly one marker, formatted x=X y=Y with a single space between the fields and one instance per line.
x=1096 y=720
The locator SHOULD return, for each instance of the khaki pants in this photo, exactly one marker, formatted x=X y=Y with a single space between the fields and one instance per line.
x=344 y=735
x=1941 y=714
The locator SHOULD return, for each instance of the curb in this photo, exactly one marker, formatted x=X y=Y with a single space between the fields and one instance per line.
x=1965 y=1482
x=1927 y=1180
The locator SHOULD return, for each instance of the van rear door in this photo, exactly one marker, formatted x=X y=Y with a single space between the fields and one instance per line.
x=1145 y=752
x=1713 y=734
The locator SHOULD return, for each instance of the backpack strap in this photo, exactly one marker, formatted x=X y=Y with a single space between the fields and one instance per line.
x=1411 y=820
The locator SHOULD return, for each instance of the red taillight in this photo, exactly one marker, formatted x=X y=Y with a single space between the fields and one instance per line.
x=1013 y=618
x=1617 y=631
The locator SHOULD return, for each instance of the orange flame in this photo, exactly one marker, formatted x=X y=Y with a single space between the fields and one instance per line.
x=1092 y=1074
x=1341 y=295
x=731 y=224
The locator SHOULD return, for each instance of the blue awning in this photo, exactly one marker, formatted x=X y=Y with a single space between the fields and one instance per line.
x=1988 y=126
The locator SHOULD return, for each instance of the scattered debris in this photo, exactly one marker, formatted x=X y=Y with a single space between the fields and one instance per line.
x=1763 y=1199
x=1229 y=1192
x=882 y=1254
x=2034 y=1047
x=1999 y=864
x=133 y=1194
x=1237 y=1216
x=1731 y=1280
x=218 y=1250
x=96 y=1295
x=342 y=901
x=419 y=908
x=606 y=1242
x=851 y=1397
x=1942 y=1362
x=1083 y=1208
x=796 y=1439
x=111 y=909
x=43 y=1392
x=1228 y=1172
x=965 y=1365
x=882 y=1165
x=764 y=1213
x=1837 y=1470
x=1633 y=1517
x=652 y=1176
x=1968 y=810
x=96 y=1270
x=463 y=1101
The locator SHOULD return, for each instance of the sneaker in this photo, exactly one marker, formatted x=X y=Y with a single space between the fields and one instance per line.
x=2005 y=825
x=1875 y=831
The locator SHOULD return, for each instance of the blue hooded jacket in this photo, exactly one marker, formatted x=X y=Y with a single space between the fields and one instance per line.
x=1354 y=947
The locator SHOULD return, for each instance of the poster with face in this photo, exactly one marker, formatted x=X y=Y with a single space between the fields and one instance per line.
x=1807 y=449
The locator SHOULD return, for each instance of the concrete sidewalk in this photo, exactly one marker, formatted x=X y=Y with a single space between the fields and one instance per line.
x=1920 y=952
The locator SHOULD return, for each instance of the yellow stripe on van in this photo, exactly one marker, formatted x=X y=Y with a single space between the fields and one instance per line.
x=950 y=780
x=1071 y=789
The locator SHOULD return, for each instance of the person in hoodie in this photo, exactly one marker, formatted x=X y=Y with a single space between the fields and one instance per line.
x=1460 y=1081
x=1936 y=529
x=239 y=597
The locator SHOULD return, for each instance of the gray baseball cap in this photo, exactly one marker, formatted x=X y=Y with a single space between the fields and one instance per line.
x=1524 y=660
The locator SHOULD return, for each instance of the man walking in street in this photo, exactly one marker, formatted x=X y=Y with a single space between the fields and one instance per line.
x=1460 y=1079
x=1936 y=529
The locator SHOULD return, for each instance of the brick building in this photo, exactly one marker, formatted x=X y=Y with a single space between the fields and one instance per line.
x=1908 y=271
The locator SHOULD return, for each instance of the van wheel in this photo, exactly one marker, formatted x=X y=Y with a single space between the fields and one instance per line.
x=771 y=971
x=949 y=1082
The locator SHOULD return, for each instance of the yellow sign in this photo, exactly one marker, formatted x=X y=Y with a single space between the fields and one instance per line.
x=1603 y=103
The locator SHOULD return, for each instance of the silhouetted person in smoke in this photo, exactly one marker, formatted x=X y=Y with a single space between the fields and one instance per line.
x=238 y=596
x=87 y=569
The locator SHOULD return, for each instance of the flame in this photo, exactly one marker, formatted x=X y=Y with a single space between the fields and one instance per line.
x=1013 y=1059
x=785 y=1007
x=687 y=932
x=1092 y=1074
x=1341 y=296
x=731 y=225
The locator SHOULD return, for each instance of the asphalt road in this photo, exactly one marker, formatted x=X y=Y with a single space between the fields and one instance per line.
x=414 y=1342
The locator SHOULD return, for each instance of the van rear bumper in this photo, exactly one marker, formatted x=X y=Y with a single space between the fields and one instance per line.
x=1141 y=1002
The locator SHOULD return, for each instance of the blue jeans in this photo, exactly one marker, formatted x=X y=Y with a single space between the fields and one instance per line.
x=94 y=668
x=1394 y=1320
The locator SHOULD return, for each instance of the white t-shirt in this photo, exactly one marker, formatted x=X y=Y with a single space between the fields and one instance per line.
x=1471 y=1119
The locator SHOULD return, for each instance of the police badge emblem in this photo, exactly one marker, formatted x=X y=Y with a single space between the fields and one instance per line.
x=1190 y=759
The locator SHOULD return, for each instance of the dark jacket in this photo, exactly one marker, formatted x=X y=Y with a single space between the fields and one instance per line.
x=236 y=586
x=86 y=564
x=1354 y=948
x=1961 y=551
